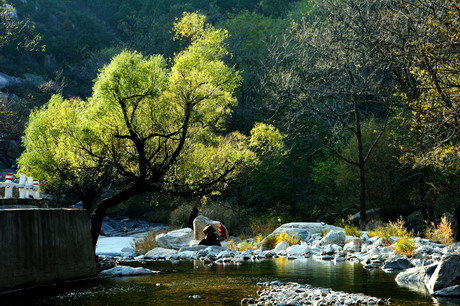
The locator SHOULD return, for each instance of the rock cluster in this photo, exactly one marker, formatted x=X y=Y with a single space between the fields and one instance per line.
x=440 y=279
x=435 y=266
x=277 y=293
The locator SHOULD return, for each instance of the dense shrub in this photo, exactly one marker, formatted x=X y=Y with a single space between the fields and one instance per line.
x=405 y=246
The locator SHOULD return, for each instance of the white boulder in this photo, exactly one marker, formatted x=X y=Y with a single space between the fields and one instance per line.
x=126 y=271
x=175 y=239
x=282 y=246
x=199 y=224
x=447 y=272
x=298 y=249
x=160 y=253
x=416 y=275
x=305 y=229
x=333 y=237
x=353 y=246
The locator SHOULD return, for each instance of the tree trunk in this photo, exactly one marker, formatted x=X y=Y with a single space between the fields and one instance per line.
x=457 y=219
x=361 y=165
x=193 y=214
x=88 y=200
x=422 y=195
x=99 y=212
x=362 y=198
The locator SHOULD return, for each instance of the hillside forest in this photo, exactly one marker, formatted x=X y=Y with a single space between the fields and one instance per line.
x=255 y=113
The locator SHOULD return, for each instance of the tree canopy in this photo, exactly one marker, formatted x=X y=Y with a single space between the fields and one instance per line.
x=159 y=128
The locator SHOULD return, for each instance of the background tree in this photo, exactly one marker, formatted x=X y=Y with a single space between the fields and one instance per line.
x=322 y=73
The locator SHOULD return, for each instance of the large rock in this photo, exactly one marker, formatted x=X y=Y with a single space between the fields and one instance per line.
x=416 y=275
x=6 y=80
x=160 y=253
x=447 y=274
x=126 y=271
x=333 y=237
x=298 y=249
x=449 y=291
x=194 y=248
x=175 y=239
x=199 y=224
x=398 y=264
x=282 y=246
x=353 y=246
x=304 y=229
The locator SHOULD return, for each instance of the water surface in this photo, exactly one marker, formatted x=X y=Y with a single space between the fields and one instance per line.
x=221 y=284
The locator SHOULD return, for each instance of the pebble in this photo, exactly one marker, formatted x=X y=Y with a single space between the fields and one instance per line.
x=297 y=294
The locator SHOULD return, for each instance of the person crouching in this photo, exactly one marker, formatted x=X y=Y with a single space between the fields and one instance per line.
x=210 y=237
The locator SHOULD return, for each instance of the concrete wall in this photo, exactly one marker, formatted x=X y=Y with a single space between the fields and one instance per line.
x=39 y=246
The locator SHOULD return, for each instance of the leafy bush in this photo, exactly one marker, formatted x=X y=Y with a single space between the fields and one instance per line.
x=269 y=242
x=272 y=240
x=246 y=244
x=442 y=233
x=351 y=230
x=405 y=246
x=392 y=229
x=290 y=239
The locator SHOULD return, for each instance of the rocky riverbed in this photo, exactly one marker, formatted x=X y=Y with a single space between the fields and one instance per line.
x=277 y=293
x=433 y=265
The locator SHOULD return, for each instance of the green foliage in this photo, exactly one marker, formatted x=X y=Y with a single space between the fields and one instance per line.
x=405 y=246
x=246 y=244
x=290 y=239
x=52 y=152
x=15 y=33
x=434 y=111
x=267 y=139
x=392 y=229
x=351 y=230
x=386 y=186
x=161 y=129
x=271 y=241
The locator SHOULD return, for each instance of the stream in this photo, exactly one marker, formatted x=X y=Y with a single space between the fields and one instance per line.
x=221 y=284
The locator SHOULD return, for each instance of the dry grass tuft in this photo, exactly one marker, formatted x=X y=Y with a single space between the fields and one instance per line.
x=143 y=245
x=442 y=233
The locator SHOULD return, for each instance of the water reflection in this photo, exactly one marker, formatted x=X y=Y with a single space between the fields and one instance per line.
x=221 y=284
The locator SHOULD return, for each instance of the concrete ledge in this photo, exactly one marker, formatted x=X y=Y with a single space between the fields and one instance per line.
x=40 y=246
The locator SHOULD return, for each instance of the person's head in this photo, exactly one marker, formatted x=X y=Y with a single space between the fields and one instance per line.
x=208 y=229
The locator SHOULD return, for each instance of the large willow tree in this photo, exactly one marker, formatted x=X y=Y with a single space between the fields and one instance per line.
x=153 y=127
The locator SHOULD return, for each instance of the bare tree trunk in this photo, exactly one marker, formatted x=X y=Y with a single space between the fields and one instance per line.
x=88 y=200
x=422 y=194
x=99 y=212
x=194 y=213
x=361 y=166
x=457 y=219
